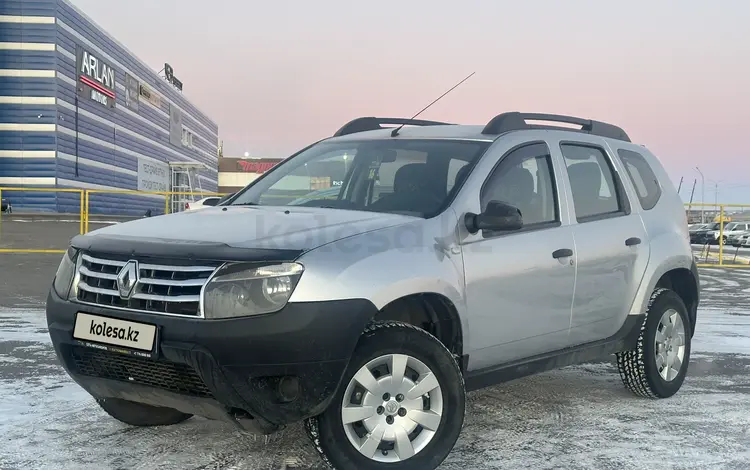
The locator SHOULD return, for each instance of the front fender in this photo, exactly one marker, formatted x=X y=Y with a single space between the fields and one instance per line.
x=385 y=265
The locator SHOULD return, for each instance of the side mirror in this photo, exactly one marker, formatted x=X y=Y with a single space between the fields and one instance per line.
x=498 y=216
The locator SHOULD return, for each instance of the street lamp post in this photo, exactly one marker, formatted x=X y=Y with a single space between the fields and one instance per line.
x=703 y=193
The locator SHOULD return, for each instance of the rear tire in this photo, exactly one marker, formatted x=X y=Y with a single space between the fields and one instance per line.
x=138 y=414
x=657 y=367
x=411 y=423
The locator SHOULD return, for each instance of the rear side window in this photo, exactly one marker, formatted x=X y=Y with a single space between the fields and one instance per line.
x=642 y=176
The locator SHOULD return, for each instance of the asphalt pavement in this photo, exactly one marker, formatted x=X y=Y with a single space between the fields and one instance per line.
x=575 y=418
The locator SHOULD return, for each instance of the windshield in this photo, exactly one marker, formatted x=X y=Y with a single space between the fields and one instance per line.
x=413 y=177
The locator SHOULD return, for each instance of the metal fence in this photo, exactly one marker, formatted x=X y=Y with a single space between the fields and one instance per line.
x=720 y=234
x=87 y=207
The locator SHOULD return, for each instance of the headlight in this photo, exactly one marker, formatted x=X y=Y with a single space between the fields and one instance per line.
x=243 y=289
x=65 y=273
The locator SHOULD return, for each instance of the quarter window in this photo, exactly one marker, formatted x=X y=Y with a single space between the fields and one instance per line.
x=524 y=179
x=592 y=182
x=642 y=176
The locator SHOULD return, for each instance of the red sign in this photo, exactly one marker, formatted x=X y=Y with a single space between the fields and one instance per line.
x=255 y=167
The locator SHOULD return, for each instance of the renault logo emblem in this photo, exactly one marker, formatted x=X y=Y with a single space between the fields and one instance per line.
x=127 y=278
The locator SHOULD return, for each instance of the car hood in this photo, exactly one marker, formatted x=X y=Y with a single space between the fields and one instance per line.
x=256 y=227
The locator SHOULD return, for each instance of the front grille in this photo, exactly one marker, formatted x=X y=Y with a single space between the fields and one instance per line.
x=160 y=288
x=174 y=377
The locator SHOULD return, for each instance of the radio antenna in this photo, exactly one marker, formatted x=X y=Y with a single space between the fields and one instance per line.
x=394 y=133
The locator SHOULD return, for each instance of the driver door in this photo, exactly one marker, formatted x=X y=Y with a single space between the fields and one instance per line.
x=519 y=284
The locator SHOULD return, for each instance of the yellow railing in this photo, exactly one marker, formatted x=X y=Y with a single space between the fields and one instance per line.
x=167 y=195
x=716 y=247
x=81 y=224
x=85 y=207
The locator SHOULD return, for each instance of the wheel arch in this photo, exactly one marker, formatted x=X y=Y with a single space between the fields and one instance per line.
x=685 y=283
x=432 y=312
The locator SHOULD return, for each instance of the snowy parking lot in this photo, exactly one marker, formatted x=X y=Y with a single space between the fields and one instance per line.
x=575 y=418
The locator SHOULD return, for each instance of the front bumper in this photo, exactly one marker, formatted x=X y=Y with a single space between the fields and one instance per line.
x=259 y=372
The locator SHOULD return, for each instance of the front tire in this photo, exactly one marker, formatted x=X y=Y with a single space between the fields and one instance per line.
x=401 y=404
x=138 y=414
x=657 y=367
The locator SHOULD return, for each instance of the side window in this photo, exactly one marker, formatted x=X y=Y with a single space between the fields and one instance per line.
x=645 y=181
x=592 y=181
x=524 y=179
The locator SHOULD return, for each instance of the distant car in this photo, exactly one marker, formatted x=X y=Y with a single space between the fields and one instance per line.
x=739 y=239
x=5 y=206
x=711 y=234
x=202 y=203
x=696 y=230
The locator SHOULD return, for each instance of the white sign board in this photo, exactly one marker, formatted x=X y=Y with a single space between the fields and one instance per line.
x=152 y=176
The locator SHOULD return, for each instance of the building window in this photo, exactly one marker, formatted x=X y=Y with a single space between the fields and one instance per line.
x=187 y=138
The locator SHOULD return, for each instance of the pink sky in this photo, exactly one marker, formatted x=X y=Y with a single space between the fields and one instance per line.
x=277 y=75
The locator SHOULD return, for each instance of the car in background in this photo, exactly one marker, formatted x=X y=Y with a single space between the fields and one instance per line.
x=204 y=203
x=739 y=239
x=711 y=234
x=694 y=229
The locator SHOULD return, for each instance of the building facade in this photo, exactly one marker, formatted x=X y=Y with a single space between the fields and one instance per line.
x=235 y=173
x=78 y=110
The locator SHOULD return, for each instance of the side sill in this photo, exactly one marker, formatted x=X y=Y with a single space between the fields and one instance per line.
x=626 y=338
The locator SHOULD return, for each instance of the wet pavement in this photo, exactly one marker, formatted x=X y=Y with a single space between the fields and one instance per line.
x=575 y=418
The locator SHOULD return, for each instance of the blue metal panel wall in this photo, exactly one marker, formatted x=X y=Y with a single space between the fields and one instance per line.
x=27 y=150
x=111 y=141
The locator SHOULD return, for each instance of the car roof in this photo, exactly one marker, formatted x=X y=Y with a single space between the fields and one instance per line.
x=447 y=131
x=372 y=128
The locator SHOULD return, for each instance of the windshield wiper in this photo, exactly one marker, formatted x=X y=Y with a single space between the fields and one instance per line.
x=245 y=204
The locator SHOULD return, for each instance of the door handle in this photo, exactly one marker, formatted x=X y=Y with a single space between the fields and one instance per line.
x=632 y=241
x=562 y=253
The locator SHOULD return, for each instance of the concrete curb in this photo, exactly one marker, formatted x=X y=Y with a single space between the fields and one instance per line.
x=728 y=258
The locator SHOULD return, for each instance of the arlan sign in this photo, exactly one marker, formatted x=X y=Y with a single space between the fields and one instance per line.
x=96 y=78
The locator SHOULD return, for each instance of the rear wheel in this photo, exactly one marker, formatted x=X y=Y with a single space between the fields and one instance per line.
x=657 y=367
x=401 y=404
x=138 y=414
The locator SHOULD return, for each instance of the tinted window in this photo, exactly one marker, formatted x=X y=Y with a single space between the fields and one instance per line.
x=211 y=202
x=592 y=181
x=524 y=179
x=643 y=178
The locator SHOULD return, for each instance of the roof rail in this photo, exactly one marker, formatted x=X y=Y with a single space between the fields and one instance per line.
x=373 y=123
x=514 y=121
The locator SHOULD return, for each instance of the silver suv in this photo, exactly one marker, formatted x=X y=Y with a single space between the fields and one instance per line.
x=366 y=283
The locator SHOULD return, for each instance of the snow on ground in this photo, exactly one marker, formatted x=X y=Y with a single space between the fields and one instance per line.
x=575 y=418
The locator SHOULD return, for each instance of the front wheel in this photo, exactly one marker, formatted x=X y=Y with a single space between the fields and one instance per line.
x=401 y=404
x=656 y=368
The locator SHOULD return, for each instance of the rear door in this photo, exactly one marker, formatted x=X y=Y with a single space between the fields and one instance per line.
x=612 y=246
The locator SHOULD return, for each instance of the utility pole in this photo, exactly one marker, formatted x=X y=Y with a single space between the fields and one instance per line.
x=703 y=193
x=695 y=181
x=716 y=194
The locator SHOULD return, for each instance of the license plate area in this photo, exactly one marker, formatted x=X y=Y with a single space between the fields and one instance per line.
x=116 y=335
